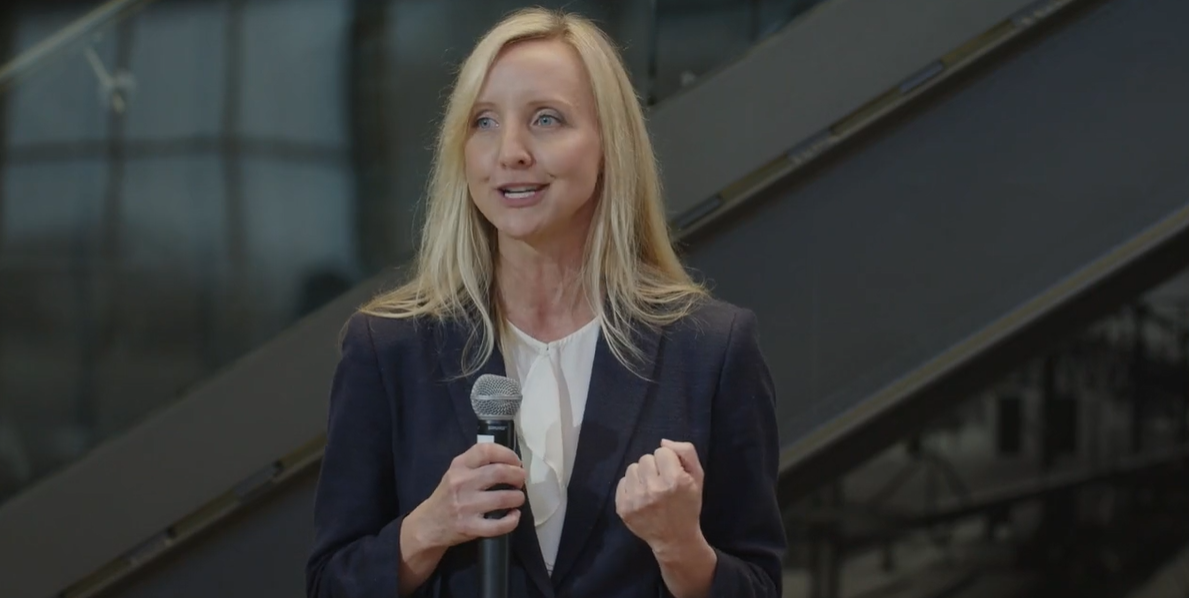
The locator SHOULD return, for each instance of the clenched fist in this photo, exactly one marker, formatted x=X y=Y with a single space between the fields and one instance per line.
x=659 y=498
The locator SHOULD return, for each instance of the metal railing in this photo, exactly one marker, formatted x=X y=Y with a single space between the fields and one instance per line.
x=76 y=32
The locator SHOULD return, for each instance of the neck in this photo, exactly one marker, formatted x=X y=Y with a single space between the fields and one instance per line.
x=540 y=288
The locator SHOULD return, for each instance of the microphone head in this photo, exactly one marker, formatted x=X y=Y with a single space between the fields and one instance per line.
x=495 y=397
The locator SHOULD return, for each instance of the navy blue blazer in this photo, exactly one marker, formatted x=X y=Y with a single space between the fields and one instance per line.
x=399 y=414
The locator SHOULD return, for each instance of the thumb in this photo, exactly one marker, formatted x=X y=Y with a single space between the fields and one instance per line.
x=688 y=456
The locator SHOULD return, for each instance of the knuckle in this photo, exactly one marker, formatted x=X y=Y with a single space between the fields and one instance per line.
x=457 y=480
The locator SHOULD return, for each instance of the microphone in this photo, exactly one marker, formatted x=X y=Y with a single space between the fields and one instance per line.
x=496 y=400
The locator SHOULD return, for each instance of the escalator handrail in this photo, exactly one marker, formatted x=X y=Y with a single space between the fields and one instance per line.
x=45 y=50
x=1088 y=294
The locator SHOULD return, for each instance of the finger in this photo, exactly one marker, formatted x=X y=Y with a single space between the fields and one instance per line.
x=497 y=500
x=647 y=471
x=495 y=474
x=668 y=464
x=632 y=480
x=483 y=453
x=487 y=528
x=621 y=495
x=689 y=458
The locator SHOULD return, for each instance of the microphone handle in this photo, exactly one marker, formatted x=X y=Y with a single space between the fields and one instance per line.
x=493 y=567
x=502 y=432
x=493 y=552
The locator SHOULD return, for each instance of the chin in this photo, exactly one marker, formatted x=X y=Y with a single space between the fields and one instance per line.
x=528 y=237
x=531 y=226
x=518 y=229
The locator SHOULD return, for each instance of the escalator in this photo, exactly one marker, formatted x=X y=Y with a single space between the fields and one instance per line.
x=1057 y=174
x=900 y=252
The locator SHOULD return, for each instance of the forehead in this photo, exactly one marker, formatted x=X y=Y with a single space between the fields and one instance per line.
x=536 y=67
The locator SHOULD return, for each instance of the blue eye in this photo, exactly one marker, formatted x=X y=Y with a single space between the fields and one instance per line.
x=548 y=120
x=484 y=122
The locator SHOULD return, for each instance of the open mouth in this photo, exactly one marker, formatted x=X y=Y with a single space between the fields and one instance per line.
x=521 y=191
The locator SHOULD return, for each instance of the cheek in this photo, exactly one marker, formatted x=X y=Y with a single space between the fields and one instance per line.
x=473 y=165
x=581 y=166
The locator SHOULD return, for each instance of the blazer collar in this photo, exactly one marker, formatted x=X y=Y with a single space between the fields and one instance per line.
x=613 y=406
x=452 y=338
x=614 y=401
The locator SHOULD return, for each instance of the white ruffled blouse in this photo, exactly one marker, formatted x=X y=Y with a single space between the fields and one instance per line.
x=554 y=379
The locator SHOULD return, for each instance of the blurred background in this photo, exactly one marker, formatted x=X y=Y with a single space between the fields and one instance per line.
x=964 y=226
x=187 y=179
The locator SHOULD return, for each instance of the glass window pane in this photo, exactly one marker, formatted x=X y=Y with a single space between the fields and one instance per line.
x=52 y=209
x=47 y=262
x=178 y=64
x=299 y=223
x=294 y=66
x=65 y=99
x=171 y=265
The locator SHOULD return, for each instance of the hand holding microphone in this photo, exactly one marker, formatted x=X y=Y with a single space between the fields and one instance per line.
x=479 y=496
x=456 y=511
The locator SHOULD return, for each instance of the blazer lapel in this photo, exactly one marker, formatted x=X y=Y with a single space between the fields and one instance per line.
x=451 y=342
x=613 y=405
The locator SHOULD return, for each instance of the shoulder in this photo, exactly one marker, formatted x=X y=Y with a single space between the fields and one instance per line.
x=714 y=319
x=715 y=325
x=386 y=335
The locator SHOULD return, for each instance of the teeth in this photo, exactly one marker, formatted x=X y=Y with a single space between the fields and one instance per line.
x=519 y=192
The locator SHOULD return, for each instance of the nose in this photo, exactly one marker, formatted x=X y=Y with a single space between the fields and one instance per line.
x=514 y=153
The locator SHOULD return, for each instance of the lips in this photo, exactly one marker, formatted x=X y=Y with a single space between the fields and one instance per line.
x=522 y=192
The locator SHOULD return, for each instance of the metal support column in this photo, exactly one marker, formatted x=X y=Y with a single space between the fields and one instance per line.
x=1059 y=512
x=370 y=99
x=1183 y=421
x=236 y=329
x=1139 y=382
x=826 y=546
x=100 y=276
x=8 y=24
x=654 y=27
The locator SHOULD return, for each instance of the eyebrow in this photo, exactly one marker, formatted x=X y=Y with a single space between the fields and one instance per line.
x=484 y=105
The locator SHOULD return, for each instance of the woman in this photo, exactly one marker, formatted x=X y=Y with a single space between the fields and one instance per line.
x=648 y=438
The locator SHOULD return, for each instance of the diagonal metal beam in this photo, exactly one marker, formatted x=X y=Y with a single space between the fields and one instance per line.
x=66 y=38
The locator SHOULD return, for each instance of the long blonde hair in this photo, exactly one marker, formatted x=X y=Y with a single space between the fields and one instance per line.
x=631 y=274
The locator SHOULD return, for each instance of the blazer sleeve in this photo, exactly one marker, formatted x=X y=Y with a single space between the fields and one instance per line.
x=740 y=514
x=356 y=548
